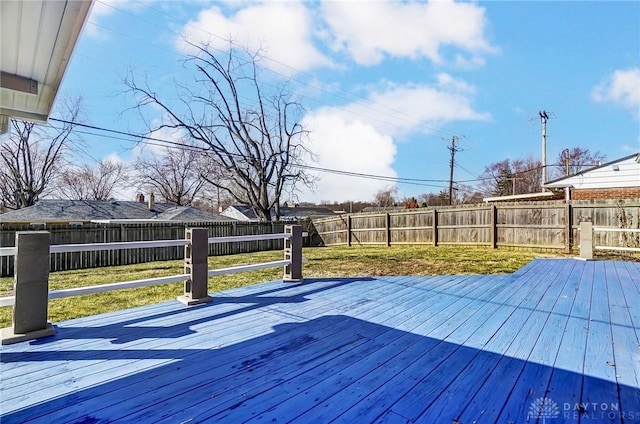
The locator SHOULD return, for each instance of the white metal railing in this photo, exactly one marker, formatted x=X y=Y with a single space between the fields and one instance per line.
x=617 y=230
x=7 y=251
x=93 y=247
x=102 y=288
x=195 y=277
x=586 y=246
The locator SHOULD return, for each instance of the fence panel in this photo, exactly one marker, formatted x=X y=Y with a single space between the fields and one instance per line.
x=537 y=224
x=544 y=225
x=411 y=228
x=333 y=231
x=464 y=226
x=369 y=229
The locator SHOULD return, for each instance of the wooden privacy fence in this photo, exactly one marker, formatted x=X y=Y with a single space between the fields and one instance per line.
x=31 y=289
x=118 y=233
x=540 y=225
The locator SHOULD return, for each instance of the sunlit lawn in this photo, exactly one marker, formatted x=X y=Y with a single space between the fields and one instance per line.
x=339 y=261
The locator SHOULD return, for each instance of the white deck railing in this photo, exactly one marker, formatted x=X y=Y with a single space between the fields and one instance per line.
x=33 y=250
x=586 y=239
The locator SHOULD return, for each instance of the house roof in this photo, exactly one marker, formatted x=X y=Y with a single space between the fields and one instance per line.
x=286 y=213
x=620 y=173
x=49 y=210
x=545 y=195
x=38 y=38
x=383 y=208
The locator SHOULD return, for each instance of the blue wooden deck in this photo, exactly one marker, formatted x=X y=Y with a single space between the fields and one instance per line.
x=557 y=341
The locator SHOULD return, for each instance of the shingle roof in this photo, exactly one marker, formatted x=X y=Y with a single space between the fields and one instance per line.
x=51 y=210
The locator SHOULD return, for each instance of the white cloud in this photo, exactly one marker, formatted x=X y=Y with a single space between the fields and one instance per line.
x=401 y=109
x=115 y=158
x=370 y=31
x=283 y=30
x=340 y=143
x=361 y=137
x=155 y=147
x=622 y=87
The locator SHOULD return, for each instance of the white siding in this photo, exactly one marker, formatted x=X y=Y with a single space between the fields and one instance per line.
x=627 y=175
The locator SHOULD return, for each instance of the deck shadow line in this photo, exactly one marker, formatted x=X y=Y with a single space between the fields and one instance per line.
x=126 y=332
x=289 y=378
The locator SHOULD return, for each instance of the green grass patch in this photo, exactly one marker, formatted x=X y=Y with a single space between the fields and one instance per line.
x=339 y=261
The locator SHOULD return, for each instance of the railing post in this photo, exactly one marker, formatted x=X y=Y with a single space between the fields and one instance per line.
x=195 y=263
x=293 y=253
x=31 y=288
x=586 y=240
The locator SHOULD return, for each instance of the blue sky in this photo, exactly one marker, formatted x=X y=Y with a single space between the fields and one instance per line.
x=386 y=84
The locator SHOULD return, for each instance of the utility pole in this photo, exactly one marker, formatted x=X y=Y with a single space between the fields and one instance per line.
x=544 y=117
x=453 y=149
x=565 y=156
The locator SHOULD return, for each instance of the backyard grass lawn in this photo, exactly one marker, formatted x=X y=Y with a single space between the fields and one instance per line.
x=340 y=261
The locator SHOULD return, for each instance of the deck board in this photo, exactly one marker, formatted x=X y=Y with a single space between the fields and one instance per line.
x=472 y=348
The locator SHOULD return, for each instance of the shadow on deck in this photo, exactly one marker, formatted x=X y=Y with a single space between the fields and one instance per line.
x=556 y=342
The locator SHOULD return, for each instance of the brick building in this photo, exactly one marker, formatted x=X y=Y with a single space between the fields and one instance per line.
x=618 y=179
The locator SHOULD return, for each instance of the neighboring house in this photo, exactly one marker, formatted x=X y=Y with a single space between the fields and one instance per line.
x=527 y=197
x=85 y=211
x=618 y=179
x=245 y=213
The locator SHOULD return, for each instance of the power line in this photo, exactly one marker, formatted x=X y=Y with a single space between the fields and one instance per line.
x=154 y=141
x=174 y=144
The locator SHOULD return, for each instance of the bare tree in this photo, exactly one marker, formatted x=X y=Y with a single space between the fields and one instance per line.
x=32 y=156
x=496 y=180
x=92 y=181
x=506 y=178
x=527 y=175
x=386 y=197
x=572 y=161
x=175 y=175
x=254 y=134
x=468 y=194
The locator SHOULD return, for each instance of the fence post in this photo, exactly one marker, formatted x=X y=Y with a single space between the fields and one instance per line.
x=569 y=227
x=293 y=253
x=586 y=240
x=494 y=226
x=435 y=227
x=348 y=230
x=195 y=263
x=387 y=225
x=31 y=288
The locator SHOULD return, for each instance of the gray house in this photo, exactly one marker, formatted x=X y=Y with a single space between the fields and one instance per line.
x=246 y=213
x=49 y=211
